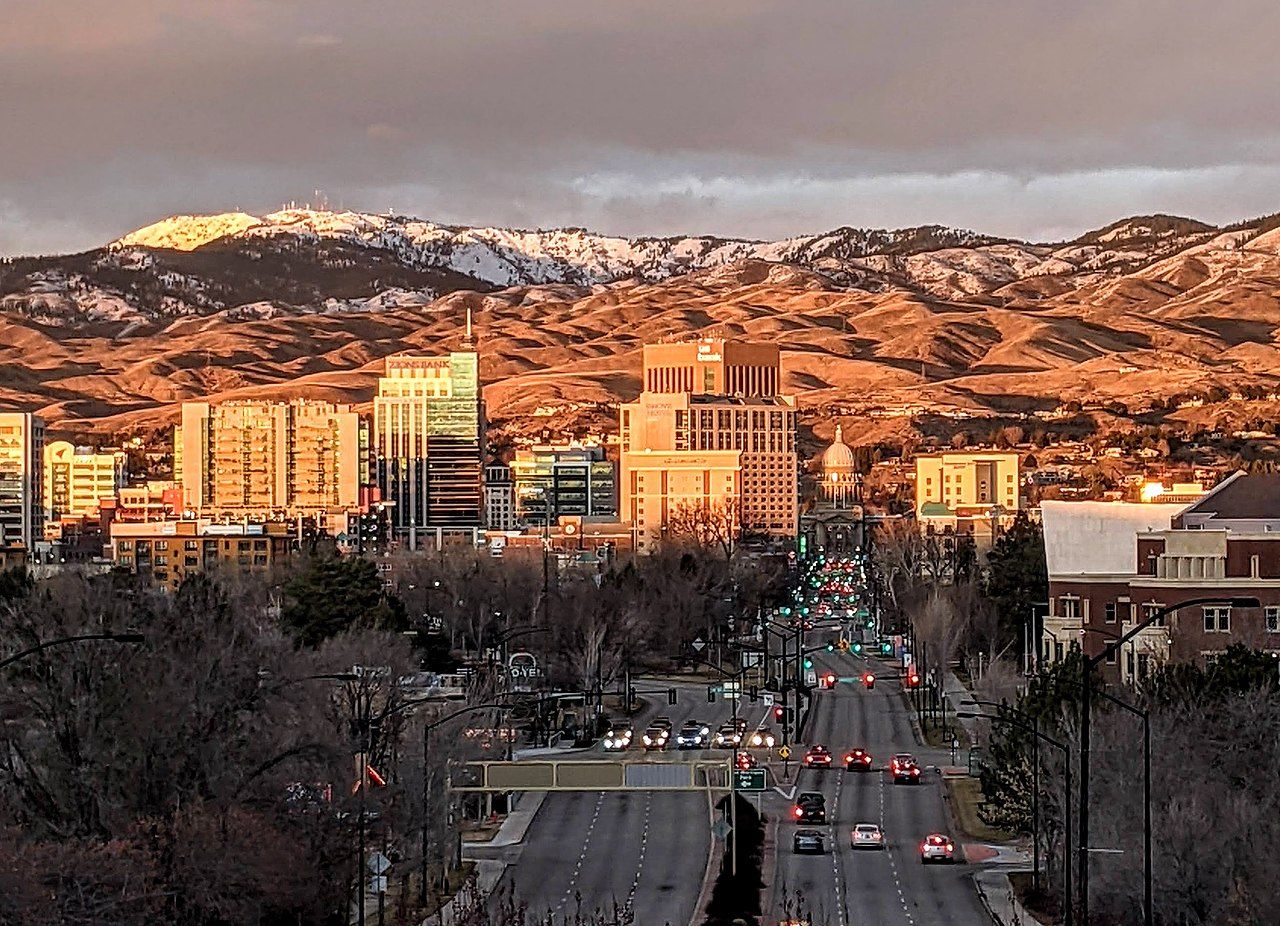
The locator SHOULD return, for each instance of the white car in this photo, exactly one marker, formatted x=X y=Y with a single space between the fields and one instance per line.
x=761 y=739
x=866 y=836
x=937 y=847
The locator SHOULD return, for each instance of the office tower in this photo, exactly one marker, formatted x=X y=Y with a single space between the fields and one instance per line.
x=712 y=366
x=21 y=485
x=271 y=459
x=428 y=437
x=499 y=498
x=685 y=448
x=76 y=479
x=570 y=479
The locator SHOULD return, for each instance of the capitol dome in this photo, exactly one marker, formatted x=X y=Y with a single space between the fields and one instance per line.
x=837 y=458
x=839 y=475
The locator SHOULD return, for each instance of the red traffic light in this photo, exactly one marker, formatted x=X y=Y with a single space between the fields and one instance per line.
x=913 y=680
x=777 y=713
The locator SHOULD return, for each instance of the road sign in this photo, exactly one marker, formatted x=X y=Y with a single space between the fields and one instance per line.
x=768 y=699
x=721 y=829
x=698 y=645
x=751 y=779
x=732 y=689
x=379 y=863
x=378 y=885
x=811 y=677
x=784 y=752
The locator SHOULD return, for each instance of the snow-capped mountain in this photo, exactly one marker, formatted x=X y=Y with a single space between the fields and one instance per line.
x=513 y=257
x=308 y=261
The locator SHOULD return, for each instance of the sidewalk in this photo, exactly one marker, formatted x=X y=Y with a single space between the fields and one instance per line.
x=954 y=691
x=488 y=874
x=997 y=896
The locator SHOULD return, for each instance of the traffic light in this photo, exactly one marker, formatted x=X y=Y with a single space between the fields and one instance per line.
x=831 y=647
x=857 y=649
x=886 y=648
x=808 y=663
x=671 y=696
x=755 y=693
x=711 y=694
x=827 y=680
x=913 y=679
x=869 y=680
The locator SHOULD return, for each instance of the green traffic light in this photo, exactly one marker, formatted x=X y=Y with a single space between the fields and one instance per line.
x=857 y=648
x=886 y=648
x=808 y=663
x=831 y=647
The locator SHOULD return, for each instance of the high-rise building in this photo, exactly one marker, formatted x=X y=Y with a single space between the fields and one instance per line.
x=697 y=449
x=77 y=479
x=499 y=498
x=712 y=366
x=555 y=480
x=428 y=443
x=271 y=459
x=21 y=485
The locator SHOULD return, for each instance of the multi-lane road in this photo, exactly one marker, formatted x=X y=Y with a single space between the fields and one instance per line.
x=848 y=886
x=647 y=851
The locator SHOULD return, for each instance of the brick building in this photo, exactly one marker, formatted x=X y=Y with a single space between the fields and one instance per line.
x=1113 y=564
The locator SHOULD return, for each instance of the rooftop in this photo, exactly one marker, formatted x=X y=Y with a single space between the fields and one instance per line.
x=1240 y=497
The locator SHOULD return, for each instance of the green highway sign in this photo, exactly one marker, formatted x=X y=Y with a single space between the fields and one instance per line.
x=751 y=779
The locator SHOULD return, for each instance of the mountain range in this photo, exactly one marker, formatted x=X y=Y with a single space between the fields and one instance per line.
x=931 y=318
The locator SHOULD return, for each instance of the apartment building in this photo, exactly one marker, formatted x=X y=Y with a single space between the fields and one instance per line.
x=77 y=479
x=21 y=485
x=271 y=459
x=163 y=553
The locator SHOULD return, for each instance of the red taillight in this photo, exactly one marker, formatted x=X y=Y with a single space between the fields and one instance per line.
x=799 y=812
x=915 y=772
x=848 y=759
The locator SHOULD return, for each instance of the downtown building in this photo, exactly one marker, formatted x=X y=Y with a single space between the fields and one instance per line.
x=271 y=461
x=551 y=481
x=709 y=434
x=22 y=507
x=78 y=480
x=1111 y=565
x=428 y=442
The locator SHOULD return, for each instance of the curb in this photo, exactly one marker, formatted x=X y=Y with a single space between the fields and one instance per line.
x=769 y=868
x=708 y=878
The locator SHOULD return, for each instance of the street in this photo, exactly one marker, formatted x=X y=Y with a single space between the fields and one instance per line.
x=846 y=887
x=642 y=850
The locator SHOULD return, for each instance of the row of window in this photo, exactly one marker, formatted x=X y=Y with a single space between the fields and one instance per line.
x=1217 y=618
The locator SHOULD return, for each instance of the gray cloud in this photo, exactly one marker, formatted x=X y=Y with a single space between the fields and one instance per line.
x=757 y=117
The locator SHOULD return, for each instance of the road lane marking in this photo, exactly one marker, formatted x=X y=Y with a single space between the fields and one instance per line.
x=586 y=841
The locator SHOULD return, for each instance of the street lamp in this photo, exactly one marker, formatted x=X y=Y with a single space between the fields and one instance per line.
x=1088 y=664
x=1035 y=778
x=1066 y=803
x=127 y=637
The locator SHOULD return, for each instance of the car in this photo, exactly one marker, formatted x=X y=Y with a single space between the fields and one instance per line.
x=693 y=735
x=664 y=722
x=809 y=842
x=655 y=737
x=857 y=760
x=866 y=836
x=761 y=739
x=818 y=756
x=618 y=736
x=727 y=737
x=811 y=807
x=745 y=761
x=904 y=769
x=937 y=847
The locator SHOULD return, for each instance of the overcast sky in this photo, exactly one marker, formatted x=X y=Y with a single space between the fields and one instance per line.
x=1024 y=118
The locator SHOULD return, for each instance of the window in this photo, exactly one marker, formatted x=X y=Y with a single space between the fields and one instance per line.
x=1110 y=612
x=1217 y=619
x=1149 y=611
x=1272 y=615
x=1111 y=657
x=1070 y=607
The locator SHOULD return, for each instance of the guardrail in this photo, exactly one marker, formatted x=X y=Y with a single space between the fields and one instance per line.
x=591 y=775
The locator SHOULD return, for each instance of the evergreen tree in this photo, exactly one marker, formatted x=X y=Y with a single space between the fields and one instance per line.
x=339 y=594
x=1017 y=576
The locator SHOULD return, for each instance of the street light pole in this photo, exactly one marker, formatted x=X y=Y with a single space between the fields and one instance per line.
x=1035 y=780
x=1088 y=664
x=1066 y=803
x=78 y=638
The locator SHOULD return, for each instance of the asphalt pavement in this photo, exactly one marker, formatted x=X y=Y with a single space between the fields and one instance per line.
x=588 y=851
x=877 y=888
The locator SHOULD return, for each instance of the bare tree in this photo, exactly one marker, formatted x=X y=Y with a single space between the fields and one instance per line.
x=714 y=525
